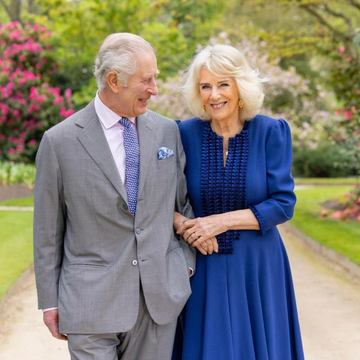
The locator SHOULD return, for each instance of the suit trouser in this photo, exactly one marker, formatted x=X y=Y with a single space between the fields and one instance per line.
x=145 y=341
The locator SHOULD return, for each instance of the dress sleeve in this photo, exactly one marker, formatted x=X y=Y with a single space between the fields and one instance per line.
x=279 y=206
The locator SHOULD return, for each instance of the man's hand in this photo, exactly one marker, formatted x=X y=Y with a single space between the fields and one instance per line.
x=208 y=246
x=51 y=320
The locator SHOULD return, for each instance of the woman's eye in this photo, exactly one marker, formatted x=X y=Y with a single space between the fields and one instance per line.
x=224 y=85
x=204 y=87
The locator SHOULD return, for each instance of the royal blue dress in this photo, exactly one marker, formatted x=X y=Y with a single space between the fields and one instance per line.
x=242 y=305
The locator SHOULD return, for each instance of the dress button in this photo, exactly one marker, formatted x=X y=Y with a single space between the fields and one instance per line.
x=125 y=207
x=134 y=262
x=138 y=231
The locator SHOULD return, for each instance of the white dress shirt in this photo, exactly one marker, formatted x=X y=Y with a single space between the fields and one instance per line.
x=113 y=131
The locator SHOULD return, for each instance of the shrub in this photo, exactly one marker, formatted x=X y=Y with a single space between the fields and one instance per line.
x=344 y=77
x=325 y=160
x=29 y=105
x=345 y=208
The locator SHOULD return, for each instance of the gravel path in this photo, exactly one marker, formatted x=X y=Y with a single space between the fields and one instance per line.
x=22 y=333
x=328 y=300
x=15 y=191
x=328 y=303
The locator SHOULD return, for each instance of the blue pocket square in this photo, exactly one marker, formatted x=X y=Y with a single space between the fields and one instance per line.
x=164 y=153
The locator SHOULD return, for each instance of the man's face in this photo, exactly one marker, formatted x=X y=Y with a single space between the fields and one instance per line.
x=133 y=99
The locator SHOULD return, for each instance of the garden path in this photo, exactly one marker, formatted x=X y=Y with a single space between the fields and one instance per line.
x=328 y=303
x=328 y=300
x=14 y=191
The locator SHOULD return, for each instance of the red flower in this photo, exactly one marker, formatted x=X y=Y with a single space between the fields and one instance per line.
x=336 y=215
x=348 y=115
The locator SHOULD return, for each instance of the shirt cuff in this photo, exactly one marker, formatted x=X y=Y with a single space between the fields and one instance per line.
x=191 y=271
x=49 y=309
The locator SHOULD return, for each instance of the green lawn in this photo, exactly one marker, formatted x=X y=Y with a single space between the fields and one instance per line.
x=16 y=251
x=343 y=237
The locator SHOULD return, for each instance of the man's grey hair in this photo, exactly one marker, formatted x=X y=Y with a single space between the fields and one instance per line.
x=119 y=53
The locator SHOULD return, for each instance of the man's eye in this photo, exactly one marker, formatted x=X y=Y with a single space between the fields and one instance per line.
x=149 y=80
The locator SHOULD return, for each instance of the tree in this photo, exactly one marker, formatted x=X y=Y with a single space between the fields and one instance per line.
x=342 y=22
x=79 y=27
x=339 y=23
x=15 y=8
x=287 y=31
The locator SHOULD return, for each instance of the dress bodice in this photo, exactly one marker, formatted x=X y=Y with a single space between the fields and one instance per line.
x=223 y=188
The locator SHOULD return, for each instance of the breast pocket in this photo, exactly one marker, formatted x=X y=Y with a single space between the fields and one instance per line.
x=167 y=162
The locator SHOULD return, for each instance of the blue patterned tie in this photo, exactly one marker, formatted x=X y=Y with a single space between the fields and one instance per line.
x=132 y=161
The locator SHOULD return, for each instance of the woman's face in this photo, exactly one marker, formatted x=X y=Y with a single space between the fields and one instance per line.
x=220 y=96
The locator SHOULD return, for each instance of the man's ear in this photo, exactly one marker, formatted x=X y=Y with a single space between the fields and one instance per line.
x=112 y=81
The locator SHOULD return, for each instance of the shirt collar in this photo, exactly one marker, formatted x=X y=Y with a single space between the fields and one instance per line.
x=107 y=117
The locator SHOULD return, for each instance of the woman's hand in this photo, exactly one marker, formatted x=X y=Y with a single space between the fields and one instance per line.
x=196 y=231
x=205 y=247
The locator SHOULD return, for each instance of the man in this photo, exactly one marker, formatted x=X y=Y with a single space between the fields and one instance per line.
x=110 y=273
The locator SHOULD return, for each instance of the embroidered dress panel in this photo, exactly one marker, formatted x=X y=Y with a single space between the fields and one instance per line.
x=223 y=188
x=132 y=163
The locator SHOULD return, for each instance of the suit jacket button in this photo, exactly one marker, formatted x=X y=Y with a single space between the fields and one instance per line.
x=125 y=207
x=138 y=231
x=134 y=262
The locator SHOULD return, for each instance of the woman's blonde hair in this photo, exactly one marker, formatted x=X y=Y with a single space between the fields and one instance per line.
x=224 y=61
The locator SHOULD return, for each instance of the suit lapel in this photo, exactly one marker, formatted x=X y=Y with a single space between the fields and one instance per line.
x=92 y=137
x=147 y=137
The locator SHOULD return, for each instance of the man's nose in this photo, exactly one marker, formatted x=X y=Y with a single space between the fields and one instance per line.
x=153 y=90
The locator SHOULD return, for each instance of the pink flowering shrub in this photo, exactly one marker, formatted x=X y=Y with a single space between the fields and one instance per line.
x=348 y=207
x=29 y=105
x=344 y=77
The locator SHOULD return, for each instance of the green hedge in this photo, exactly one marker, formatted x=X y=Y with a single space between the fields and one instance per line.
x=325 y=161
x=11 y=173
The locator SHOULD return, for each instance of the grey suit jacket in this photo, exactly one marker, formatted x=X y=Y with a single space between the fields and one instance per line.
x=90 y=253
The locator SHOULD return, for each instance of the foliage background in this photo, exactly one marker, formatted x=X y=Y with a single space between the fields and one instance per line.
x=308 y=48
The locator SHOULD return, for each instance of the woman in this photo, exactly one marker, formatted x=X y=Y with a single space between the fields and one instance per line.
x=240 y=186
